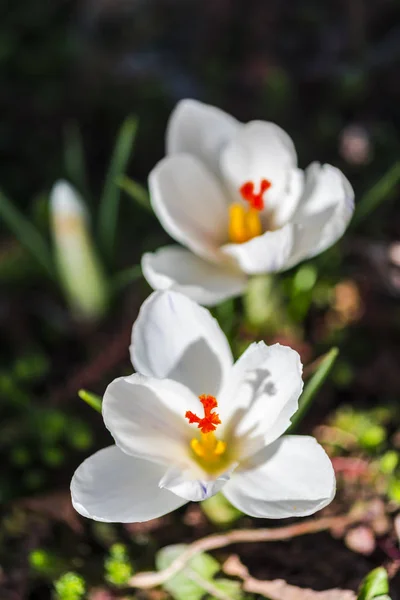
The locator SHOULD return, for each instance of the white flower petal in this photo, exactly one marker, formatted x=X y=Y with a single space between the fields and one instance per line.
x=200 y=129
x=184 y=485
x=176 y=338
x=190 y=204
x=293 y=478
x=179 y=269
x=260 y=150
x=325 y=185
x=261 y=396
x=267 y=253
x=287 y=206
x=146 y=417
x=113 y=487
x=323 y=213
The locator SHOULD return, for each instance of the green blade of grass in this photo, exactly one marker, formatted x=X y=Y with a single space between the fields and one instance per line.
x=125 y=277
x=74 y=158
x=93 y=400
x=109 y=201
x=136 y=191
x=313 y=386
x=377 y=194
x=27 y=235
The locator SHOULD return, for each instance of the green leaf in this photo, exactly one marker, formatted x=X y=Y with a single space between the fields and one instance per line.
x=125 y=277
x=27 y=234
x=393 y=490
x=313 y=386
x=181 y=586
x=136 y=191
x=74 y=157
x=377 y=194
x=373 y=436
x=374 y=585
x=92 y=399
x=232 y=589
x=389 y=461
x=109 y=201
x=304 y=279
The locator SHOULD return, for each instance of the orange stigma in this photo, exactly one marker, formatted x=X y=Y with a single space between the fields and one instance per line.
x=210 y=420
x=254 y=199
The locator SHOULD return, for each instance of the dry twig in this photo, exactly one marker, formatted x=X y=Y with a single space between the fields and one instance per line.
x=278 y=589
x=151 y=579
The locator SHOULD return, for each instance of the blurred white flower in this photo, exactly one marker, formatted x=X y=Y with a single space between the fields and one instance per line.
x=79 y=268
x=191 y=423
x=233 y=195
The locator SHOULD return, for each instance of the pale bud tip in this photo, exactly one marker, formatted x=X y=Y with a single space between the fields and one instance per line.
x=65 y=200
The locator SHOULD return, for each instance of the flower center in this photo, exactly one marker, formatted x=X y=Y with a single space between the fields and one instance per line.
x=245 y=222
x=209 y=450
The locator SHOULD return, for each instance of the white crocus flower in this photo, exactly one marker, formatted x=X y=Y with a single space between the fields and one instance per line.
x=191 y=423
x=232 y=194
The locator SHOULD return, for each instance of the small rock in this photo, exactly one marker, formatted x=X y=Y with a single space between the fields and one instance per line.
x=361 y=540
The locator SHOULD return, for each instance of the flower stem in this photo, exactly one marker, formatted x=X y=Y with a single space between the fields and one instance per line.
x=265 y=307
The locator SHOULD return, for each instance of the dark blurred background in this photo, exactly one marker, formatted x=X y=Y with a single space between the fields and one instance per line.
x=325 y=71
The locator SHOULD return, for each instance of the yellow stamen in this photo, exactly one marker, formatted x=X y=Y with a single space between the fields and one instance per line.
x=208 y=448
x=254 y=223
x=244 y=223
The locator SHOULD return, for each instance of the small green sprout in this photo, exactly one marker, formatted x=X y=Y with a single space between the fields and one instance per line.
x=117 y=565
x=70 y=586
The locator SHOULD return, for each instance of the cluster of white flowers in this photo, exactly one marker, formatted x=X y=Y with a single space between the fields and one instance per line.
x=190 y=422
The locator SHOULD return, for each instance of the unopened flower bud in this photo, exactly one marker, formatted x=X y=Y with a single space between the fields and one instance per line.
x=79 y=268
